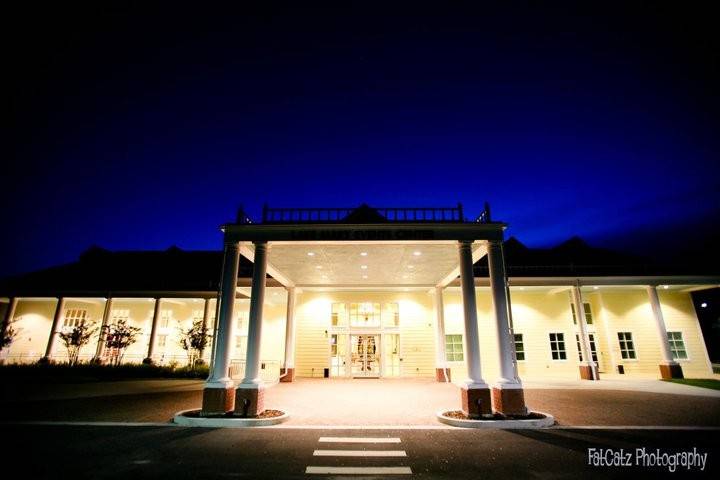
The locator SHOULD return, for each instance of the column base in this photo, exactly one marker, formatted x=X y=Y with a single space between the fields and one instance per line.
x=441 y=373
x=509 y=401
x=287 y=375
x=249 y=400
x=673 y=370
x=475 y=401
x=218 y=401
x=588 y=372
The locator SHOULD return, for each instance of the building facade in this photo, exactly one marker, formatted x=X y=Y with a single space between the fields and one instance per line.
x=370 y=292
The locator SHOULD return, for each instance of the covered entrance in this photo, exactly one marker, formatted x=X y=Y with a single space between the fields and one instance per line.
x=364 y=253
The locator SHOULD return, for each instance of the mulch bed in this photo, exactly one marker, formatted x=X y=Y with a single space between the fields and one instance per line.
x=263 y=414
x=459 y=415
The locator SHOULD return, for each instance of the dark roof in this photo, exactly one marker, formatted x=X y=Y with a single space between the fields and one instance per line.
x=99 y=270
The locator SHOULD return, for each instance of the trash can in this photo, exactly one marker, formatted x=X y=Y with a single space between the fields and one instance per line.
x=326 y=373
x=621 y=370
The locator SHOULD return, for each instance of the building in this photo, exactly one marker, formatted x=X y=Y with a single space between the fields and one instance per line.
x=378 y=292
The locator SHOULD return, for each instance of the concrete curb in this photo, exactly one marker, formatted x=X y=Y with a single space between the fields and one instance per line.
x=548 y=421
x=180 y=418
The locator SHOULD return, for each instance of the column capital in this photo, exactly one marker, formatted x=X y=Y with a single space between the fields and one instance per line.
x=231 y=245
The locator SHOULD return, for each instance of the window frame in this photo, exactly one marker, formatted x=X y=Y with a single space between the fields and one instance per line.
x=561 y=353
x=684 y=346
x=634 y=358
x=522 y=346
x=589 y=320
x=453 y=351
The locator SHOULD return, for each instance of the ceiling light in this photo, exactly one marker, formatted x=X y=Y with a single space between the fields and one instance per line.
x=405 y=276
x=522 y=288
x=319 y=267
x=364 y=254
x=311 y=254
x=364 y=267
x=703 y=305
x=411 y=266
x=417 y=253
x=595 y=288
x=364 y=276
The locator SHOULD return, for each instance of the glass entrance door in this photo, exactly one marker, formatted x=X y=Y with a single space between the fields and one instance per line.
x=365 y=355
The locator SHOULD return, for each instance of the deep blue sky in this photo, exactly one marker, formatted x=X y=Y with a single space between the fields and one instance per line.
x=137 y=128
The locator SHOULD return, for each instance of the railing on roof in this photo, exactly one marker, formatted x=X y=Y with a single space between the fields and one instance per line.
x=389 y=214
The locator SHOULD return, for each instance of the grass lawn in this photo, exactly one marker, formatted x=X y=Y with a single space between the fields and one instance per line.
x=698 y=382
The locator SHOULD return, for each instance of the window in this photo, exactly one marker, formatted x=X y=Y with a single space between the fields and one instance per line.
x=454 y=348
x=366 y=314
x=240 y=345
x=120 y=315
x=519 y=347
x=677 y=346
x=627 y=349
x=338 y=314
x=557 y=346
x=333 y=345
x=165 y=316
x=241 y=321
x=391 y=315
x=588 y=313
x=161 y=341
x=593 y=349
x=74 y=317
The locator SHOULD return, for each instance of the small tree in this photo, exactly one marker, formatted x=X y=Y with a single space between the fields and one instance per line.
x=7 y=335
x=194 y=340
x=119 y=336
x=77 y=338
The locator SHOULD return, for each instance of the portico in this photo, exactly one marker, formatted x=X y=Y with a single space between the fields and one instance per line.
x=360 y=250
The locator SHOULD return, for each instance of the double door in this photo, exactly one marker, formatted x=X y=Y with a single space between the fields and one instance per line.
x=365 y=355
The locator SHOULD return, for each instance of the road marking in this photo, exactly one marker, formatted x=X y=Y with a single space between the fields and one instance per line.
x=359 y=440
x=359 y=453
x=358 y=470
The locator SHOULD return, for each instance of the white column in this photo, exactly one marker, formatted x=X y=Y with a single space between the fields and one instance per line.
x=440 y=356
x=585 y=348
x=223 y=335
x=660 y=326
x=153 y=329
x=107 y=311
x=257 y=299
x=472 y=340
x=9 y=314
x=501 y=310
x=290 y=329
x=206 y=317
x=57 y=319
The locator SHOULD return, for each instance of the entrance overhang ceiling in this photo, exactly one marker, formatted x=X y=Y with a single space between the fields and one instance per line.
x=364 y=264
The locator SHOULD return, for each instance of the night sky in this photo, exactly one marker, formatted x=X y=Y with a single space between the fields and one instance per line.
x=141 y=128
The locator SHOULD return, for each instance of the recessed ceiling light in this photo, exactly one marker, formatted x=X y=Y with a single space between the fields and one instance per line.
x=703 y=305
x=364 y=267
x=325 y=276
x=311 y=254
x=417 y=253
x=595 y=288
x=319 y=267
x=364 y=276
x=405 y=276
x=364 y=254
x=522 y=288
x=411 y=266
x=666 y=287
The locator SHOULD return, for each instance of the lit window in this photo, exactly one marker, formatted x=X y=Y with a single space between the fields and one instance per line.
x=338 y=314
x=365 y=314
x=241 y=321
x=677 y=346
x=165 y=316
x=454 y=348
x=161 y=341
x=391 y=315
x=120 y=315
x=74 y=317
x=240 y=345
x=557 y=346
x=593 y=348
x=627 y=348
x=519 y=347
x=588 y=313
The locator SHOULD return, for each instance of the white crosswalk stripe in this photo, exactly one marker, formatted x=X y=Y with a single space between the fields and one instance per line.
x=347 y=453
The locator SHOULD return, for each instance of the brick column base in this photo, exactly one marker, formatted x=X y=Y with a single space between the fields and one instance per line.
x=587 y=372
x=218 y=401
x=250 y=400
x=290 y=374
x=475 y=401
x=440 y=376
x=671 y=371
x=509 y=401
